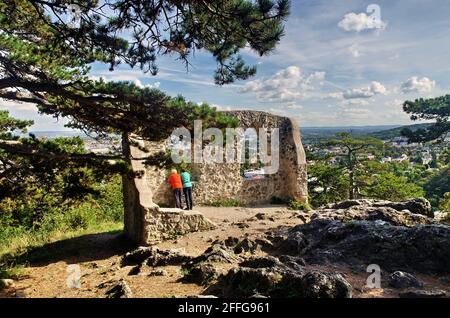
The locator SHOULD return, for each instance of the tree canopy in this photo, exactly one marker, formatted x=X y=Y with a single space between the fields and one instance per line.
x=437 y=109
x=46 y=56
x=353 y=148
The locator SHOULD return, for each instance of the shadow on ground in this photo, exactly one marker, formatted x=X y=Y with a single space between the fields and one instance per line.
x=86 y=248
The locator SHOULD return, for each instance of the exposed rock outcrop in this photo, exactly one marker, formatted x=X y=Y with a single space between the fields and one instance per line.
x=424 y=248
x=120 y=290
x=408 y=213
x=153 y=256
x=201 y=274
x=323 y=285
x=400 y=279
x=415 y=206
x=278 y=281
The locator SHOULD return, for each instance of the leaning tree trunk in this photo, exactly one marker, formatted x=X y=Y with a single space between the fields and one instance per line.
x=352 y=185
x=351 y=176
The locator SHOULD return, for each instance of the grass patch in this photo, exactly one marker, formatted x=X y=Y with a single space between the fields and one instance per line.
x=99 y=214
x=299 y=206
x=228 y=203
x=14 y=256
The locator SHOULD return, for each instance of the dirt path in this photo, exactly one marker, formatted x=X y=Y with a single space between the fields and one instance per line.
x=98 y=257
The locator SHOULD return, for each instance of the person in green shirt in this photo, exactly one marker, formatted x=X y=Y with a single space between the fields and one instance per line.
x=187 y=188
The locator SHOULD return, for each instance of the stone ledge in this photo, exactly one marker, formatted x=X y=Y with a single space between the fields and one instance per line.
x=164 y=223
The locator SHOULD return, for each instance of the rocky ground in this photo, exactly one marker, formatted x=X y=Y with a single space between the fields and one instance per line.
x=260 y=252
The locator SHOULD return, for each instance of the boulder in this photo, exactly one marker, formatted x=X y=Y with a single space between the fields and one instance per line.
x=261 y=216
x=136 y=257
x=241 y=225
x=167 y=257
x=216 y=253
x=120 y=290
x=294 y=244
x=153 y=256
x=6 y=283
x=294 y=262
x=317 y=284
x=400 y=279
x=245 y=281
x=417 y=206
x=261 y=262
x=231 y=241
x=135 y=270
x=201 y=274
x=246 y=245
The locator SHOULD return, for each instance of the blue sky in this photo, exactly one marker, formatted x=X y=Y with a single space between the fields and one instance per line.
x=338 y=65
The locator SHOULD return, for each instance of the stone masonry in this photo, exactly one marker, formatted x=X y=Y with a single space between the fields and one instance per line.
x=144 y=196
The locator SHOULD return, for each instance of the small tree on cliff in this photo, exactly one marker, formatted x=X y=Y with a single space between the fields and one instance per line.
x=353 y=149
x=46 y=61
x=437 y=109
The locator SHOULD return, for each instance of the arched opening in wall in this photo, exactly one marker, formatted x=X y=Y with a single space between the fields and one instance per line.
x=252 y=167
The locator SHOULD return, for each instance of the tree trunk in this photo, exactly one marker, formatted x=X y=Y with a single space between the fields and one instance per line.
x=352 y=185
x=351 y=176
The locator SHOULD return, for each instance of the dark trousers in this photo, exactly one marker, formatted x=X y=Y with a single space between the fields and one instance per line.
x=188 y=197
x=177 y=193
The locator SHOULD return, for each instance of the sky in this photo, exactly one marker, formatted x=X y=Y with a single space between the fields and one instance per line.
x=341 y=63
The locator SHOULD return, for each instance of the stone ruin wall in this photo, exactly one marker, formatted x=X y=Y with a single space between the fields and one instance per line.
x=148 y=222
x=217 y=182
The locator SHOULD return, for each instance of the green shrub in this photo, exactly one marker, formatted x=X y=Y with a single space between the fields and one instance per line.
x=445 y=203
x=77 y=218
x=299 y=205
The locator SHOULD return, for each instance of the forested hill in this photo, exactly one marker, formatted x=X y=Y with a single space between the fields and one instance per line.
x=385 y=132
x=396 y=132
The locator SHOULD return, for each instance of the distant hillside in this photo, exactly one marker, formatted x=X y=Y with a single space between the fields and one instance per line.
x=396 y=132
x=315 y=134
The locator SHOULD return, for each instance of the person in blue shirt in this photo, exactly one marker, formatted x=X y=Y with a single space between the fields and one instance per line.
x=187 y=188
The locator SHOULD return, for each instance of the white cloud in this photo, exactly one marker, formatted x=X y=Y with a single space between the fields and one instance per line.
x=375 y=88
x=286 y=85
x=359 y=22
x=277 y=111
x=294 y=106
x=139 y=84
x=17 y=106
x=336 y=95
x=219 y=107
x=126 y=76
x=354 y=113
x=395 y=103
x=355 y=102
x=418 y=85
